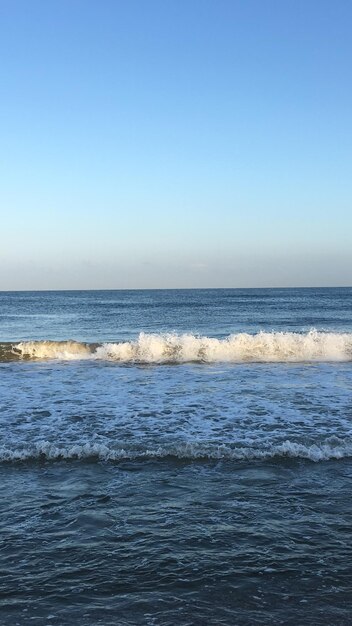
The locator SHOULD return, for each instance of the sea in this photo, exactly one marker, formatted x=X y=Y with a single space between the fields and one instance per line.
x=176 y=457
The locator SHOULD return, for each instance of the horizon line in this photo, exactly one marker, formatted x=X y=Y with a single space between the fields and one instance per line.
x=170 y=288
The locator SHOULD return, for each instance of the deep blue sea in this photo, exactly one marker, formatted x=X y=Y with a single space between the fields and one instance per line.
x=177 y=457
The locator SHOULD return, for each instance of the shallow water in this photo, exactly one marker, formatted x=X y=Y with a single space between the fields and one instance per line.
x=176 y=490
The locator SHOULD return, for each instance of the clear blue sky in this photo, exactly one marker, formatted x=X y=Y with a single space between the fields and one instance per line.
x=175 y=143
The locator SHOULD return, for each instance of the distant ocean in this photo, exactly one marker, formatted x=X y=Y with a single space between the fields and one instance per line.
x=178 y=457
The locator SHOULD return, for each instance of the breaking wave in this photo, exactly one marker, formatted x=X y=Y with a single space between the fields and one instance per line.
x=173 y=348
x=331 y=449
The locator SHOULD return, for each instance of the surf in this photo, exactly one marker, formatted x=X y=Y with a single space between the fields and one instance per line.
x=266 y=347
x=330 y=449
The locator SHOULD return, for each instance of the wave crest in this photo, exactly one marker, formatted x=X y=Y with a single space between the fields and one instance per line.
x=173 y=348
x=331 y=449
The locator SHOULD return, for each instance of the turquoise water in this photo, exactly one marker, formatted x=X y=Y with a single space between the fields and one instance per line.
x=176 y=457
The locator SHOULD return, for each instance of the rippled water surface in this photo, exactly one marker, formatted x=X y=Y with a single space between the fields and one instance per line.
x=178 y=457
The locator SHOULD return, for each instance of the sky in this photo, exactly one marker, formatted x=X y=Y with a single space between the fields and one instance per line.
x=175 y=143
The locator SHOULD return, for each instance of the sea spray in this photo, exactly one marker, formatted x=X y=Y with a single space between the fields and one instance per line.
x=183 y=348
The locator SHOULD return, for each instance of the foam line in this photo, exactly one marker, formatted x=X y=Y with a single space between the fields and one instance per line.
x=45 y=450
x=173 y=348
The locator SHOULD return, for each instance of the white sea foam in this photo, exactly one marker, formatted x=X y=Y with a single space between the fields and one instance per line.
x=45 y=450
x=66 y=350
x=166 y=348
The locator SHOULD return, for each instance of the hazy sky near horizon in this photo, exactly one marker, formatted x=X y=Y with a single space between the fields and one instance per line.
x=175 y=143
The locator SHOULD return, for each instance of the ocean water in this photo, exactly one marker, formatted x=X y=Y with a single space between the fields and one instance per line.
x=177 y=457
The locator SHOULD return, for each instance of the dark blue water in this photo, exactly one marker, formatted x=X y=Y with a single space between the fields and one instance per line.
x=197 y=473
x=118 y=315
